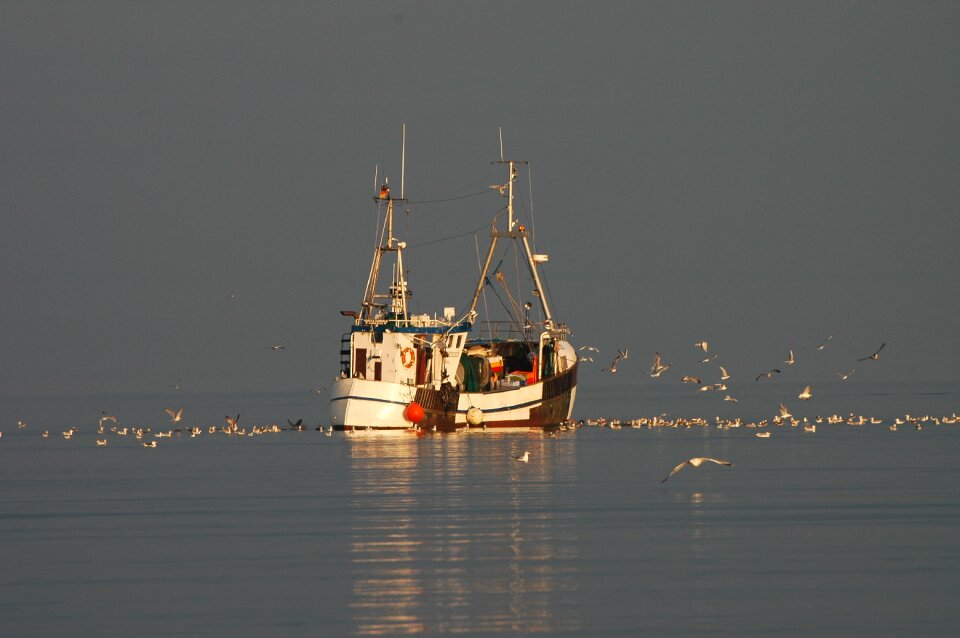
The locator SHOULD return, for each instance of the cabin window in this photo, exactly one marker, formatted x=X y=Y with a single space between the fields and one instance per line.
x=377 y=370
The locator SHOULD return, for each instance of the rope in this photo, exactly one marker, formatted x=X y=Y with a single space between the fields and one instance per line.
x=449 y=199
x=437 y=241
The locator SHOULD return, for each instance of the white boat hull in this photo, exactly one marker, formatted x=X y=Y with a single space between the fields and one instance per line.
x=379 y=405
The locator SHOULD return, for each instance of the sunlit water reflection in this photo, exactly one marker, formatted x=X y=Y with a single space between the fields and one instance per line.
x=850 y=531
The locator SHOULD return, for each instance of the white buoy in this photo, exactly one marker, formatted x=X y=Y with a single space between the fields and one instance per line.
x=474 y=416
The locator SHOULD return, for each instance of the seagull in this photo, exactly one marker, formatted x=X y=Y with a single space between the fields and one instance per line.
x=658 y=368
x=696 y=461
x=623 y=353
x=232 y=421
x=524 y=458
x=613 y=365
x=703 y=345
x=108 y=417
x=174 y=416
x=806 y=394
x=689 y=379
x=176 y=386
x=101 y=442
x=845 y=375
x=730 y=398
x=21 y=425
x=724 y=375
x=784 y=412
x=790 y=360
x=328 y=431
x=768 y=374
x=875 y=355
x=591 y=348
x=709 y=359
x=824 y=344
x=585 y=359
x=296 y=426
x=277 y=347
x=150 y=444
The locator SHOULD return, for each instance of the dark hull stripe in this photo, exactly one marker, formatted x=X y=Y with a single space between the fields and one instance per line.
x=491 y=410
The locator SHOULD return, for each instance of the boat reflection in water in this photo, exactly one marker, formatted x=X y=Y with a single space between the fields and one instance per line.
x=449 y=534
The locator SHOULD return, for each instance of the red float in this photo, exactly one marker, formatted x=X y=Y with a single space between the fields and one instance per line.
x=414 y=412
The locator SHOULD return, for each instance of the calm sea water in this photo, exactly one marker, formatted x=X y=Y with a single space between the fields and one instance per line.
x=849 y=531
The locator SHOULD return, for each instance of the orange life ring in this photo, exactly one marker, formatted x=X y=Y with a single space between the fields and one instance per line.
x=408 y=357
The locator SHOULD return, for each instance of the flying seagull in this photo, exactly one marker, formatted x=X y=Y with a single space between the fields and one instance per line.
x=277 y=347
x=768 y=374
x=845 y=375
x=591 y=348
x=174 y=416
x=875 y=355
x=696 y=461
x=784 y=412
x=690 y=379
x=806 y=394
x=724 y=375
x=658 y=367
x=703 y=345
x=790 y=360
x=824 y=344
x=613 y=365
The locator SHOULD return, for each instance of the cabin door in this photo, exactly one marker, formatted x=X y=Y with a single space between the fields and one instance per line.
x=423 y=361
x=360 y=363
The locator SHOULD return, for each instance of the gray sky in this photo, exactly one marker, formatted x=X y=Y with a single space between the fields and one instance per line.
x=761 y=175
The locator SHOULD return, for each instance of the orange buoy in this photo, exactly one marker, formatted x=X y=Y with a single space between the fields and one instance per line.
x=414 y=412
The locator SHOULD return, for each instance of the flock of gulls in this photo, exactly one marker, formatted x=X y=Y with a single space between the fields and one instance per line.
x=763 y=428
x=109 y=425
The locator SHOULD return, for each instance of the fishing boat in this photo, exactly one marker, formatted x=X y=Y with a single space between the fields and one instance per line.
x=450 y=371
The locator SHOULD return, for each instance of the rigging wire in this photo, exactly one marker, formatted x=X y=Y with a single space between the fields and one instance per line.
x=533 y=224
x=450 y=199
x=437 y=241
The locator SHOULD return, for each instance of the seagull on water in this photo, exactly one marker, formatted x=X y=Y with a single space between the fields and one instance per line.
x=875 y=355
x=523 y=458
x=696 y=461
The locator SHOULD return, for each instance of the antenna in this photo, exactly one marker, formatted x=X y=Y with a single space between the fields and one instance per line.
x=501 y=142
x=403 y=160
x=376 y=176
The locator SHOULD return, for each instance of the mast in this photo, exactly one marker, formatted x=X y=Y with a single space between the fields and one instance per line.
x=506 y=190
x=397 y=293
